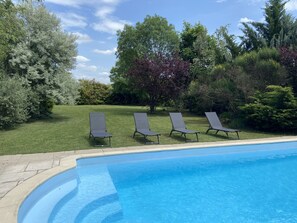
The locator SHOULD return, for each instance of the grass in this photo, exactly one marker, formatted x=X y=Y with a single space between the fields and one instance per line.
x=69 y=129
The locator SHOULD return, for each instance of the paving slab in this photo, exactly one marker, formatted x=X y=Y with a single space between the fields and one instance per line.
x=6 y=187
x=40 y=165
x=15 y=177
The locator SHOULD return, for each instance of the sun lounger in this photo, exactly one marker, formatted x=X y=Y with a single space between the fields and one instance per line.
x=215 y=124
x=98 y=126
x=142 y=126
x=178 y=125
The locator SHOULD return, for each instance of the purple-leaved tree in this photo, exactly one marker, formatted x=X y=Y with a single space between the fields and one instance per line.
x=161 y=78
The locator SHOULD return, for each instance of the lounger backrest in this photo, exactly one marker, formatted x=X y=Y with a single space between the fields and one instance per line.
x=213 y=119
x=141 y=121
x=97 y=121
x=177 y=120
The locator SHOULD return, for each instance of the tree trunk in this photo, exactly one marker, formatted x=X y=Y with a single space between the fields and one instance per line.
x=152 y=108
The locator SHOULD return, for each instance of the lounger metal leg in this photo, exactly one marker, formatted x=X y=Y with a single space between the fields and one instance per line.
x=170 y=132
x=158 y=139
x=237 y=135
x=134 y=134
x=145 y=140
x=227 y=134
x=185 y=137
x=109 y=139
x=207 y=131
x=197 y=137
x=217 y=131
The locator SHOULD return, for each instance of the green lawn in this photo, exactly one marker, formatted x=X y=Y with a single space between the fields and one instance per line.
x=69 y=129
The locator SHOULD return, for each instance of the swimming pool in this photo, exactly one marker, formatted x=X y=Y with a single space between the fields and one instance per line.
x=251 y=183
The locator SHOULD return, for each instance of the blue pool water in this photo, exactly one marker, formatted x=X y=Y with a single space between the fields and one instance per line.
x=255 y=183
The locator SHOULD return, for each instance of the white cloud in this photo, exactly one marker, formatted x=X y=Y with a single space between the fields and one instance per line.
x=79 y=3
x=106 y=52
x=110 y=26
x=104 y=11
x=72 y=20
x=245 y=19
x=108 y=23
x=81 y=59
x=221 y=1
x=82 y=38
x=291 y=5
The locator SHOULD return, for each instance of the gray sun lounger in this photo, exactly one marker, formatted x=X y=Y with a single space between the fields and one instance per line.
x=178 y=125
x=215 y=124
x=98 y=126
x=142 y=126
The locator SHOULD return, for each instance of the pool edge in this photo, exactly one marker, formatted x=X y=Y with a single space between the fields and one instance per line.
x=11 y=202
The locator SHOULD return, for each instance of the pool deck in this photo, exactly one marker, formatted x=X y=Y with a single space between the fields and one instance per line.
x=20 y=174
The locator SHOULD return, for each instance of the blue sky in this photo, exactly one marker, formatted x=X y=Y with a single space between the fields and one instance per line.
x=95 y=23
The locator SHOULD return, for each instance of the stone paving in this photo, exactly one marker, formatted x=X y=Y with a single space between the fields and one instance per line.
x=15 y=169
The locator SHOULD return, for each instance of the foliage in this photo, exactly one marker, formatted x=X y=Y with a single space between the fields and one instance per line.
x=279 y=28
x=42 y=56
x=11 y=30
x=122 y=91
x=198 y=48
x=217 y=91
x=227 y=49
x=92 y=92
x=273 y=110
x=288 y=58
x=232 y=84
x=153 y=36
x=161 y=78
x=262 y=68
x=66 y=91
x=13 y=102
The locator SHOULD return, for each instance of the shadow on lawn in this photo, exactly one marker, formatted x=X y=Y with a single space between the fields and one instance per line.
x=149 y=140
x=98 y=142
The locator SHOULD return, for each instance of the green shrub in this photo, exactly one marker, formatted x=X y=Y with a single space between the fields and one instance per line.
x=13 y=102
x=274 y=109
x=92 y=92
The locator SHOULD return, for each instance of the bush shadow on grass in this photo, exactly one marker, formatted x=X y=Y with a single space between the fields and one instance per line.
x=50 y=119
x=55 y=119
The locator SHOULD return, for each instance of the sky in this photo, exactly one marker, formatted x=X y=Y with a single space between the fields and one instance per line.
x=96 y=22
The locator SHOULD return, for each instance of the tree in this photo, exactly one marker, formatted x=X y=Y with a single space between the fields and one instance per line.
x=11 y=31
x=198 y=48
x=227 y=49
x=161 y=78
x=153 y=36
x=44 y=53
x=288 y=58
x=13 y=102
x=277 y=30
x=92 y=92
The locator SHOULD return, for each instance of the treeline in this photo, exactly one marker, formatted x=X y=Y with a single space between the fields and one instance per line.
x=251 y=77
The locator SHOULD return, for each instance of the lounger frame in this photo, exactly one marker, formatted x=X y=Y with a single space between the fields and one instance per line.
x=98 y=127
x=142 y=127
x=178 y=125
x=216 y=125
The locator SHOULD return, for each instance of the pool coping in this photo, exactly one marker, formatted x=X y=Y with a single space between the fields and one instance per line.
x=10 y=203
